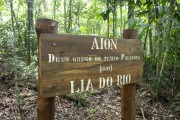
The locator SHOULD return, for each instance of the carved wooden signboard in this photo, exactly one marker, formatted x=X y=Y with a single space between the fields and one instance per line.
x=74 y=63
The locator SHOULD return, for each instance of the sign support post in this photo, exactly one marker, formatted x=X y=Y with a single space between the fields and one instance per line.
x=45 y=106
x=128 y=106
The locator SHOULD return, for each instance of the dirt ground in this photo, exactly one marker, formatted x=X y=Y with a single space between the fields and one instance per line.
x=101 y=105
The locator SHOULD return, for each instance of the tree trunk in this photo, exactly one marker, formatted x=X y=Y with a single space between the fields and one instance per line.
x=54 y=10
x=149 y=31
x=145 y=40
x=130 y=11
x=121 y=21
x=168 y=35
x=17 y=92
x=45 y=106
x=70 y=17
x=114 y=19
x=12 y=17
x=158 y=52
x=65 y=17
x=30 y=28
x=150 y=42
x=44 y=5
x=107 y=4
x=171 y=10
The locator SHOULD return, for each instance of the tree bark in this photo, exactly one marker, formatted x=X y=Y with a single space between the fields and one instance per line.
x=145 y=40
x=65 y=17
x=121 y=20
x=107 y=4
x=114 y=18
x=45 y=106
x=168 y=35
x=70 y=17
x=54 y=9
x=13 y=18
x=150 y=42
x=130 y=11
x=128 y=106
x=30 y=28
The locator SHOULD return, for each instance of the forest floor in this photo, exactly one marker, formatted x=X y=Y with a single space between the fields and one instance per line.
x=101 y=105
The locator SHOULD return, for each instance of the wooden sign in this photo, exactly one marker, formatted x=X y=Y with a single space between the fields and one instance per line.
x=74 y=63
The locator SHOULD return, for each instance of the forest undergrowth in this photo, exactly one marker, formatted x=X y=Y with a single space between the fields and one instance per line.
x=99 y=105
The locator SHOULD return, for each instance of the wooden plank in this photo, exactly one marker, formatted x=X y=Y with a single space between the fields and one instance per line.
x=128 y=106
x=45 y=106
x=76 y=65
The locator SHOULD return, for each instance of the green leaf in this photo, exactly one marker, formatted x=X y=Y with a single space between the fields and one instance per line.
x=90 y=110
x=83 y=28
x=177 y=97
x=105 y=14
x=177 y=109
x=177 y=15
x=139 y=3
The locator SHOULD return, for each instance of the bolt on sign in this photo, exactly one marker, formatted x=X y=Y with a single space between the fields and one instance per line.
x=77 y=63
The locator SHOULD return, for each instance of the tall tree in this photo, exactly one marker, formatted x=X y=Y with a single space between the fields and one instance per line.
x=78 y=6
x=65 y=16
x=13 y=19
x=54 y=9
x=70 y=17
x=170 y=12
x=114 y=4
x=121 y=18
x=30 y=30
x=169 y=27
x=130 y=12
x=107 y=13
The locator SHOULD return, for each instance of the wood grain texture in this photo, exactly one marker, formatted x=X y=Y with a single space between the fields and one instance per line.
x=55 y=77
x=128 y=106
x=45 y=106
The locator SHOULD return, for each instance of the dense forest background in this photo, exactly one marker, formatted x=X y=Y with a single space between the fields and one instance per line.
x=158 y=24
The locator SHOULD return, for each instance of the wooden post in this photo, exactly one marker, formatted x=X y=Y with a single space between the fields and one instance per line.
x=45 y=106
x=128 y=106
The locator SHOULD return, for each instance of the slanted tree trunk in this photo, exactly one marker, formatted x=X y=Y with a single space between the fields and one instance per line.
x=150 y=41
x=145 y=40
x=168 y=35
x=169 y=27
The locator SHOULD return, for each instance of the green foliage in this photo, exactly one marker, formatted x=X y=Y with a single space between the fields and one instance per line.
x=18 y=99
x=90 y=110
x=150 y=18
x=81 y=98
x=24 y=71
x=176 y=103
